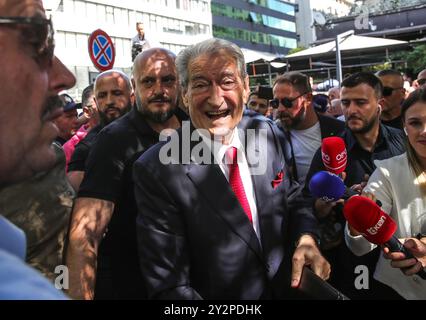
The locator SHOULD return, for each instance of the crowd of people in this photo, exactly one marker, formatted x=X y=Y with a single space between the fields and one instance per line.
x=179 y=183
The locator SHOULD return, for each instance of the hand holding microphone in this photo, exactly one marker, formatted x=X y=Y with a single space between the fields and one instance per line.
x=365 y=216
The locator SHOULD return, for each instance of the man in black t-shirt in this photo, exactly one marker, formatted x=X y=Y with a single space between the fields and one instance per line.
x=114 y=98
x=106 y=209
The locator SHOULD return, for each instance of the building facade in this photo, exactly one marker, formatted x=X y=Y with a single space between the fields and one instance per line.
x=260 y=25
x=172 y=24
x=311 y=14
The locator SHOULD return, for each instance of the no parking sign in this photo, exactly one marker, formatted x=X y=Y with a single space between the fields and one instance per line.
x=101 y=50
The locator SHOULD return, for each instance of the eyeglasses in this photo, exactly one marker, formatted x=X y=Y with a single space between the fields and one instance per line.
x=387 y=91
x=421 y=81
x=38 y=33
x=286 y=102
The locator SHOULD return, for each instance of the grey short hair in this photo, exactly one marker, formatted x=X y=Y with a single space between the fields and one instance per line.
x=210 y=46
x=110 y=72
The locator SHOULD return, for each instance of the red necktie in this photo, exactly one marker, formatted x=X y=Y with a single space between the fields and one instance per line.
x=236 y=182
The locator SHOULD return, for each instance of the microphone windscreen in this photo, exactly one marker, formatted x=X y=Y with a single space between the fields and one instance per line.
x=366 y=217
x=326 y=186
x=334 y=156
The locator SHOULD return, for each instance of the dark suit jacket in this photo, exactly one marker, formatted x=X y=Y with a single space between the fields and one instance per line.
x=195 y=240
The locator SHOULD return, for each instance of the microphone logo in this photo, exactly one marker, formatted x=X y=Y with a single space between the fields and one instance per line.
x=374 y=229
x=341 y=156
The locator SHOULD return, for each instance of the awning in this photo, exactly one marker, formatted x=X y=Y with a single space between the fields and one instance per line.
x=350 y=43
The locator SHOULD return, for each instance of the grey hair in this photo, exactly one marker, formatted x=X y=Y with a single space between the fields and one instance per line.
x=110 y=72
x=209 y=47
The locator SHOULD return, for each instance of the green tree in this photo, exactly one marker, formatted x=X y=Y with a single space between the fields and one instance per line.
x=296 y=50
x=416 y=59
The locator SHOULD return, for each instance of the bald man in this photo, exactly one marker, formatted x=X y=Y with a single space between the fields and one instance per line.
x=393 y=96
x=102 y=256
x=113 y=96
x=421 y=78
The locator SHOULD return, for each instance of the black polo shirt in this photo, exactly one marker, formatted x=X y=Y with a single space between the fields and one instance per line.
x=109 y=177
x=390 y=143
x=82 y=149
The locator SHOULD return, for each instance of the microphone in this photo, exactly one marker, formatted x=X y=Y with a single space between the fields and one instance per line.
x=329 y=187
x=365 y=216
x=334 y=155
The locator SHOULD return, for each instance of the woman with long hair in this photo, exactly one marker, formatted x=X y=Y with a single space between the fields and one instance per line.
x=400 y=185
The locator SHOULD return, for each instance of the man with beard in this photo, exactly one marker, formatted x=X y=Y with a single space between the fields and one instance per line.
x=114 y=98
x=303 y=127
x=105 y=208
x=366 y=140
x=392 y=97
x=31 y=79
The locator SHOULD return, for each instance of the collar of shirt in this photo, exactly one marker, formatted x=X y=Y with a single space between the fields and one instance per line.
x=351 y=141
x=219 y=150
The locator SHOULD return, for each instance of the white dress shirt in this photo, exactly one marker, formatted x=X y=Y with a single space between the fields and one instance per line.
x=219 y=154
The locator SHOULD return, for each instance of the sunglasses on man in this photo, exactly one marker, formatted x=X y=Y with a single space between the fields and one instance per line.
x=387 y=91
x=421 y=81
x=286 y=102
x=37 y=32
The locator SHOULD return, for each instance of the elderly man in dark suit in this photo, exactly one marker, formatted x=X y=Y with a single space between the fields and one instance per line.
x=213 y=218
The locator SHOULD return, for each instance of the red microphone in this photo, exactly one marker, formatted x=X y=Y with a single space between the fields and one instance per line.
x=334 y=155
x=366 y=217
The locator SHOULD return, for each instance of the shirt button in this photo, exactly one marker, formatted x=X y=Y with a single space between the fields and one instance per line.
x=416 y=278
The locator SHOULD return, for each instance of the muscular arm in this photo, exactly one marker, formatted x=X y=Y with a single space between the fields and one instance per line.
x=90 y=218
x=75 y=178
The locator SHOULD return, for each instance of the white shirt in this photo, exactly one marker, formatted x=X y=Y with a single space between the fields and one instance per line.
x=219 y=154
x=305 y=144
x=393 y=184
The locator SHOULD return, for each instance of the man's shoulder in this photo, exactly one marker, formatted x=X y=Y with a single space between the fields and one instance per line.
x=330 y=126
x=120 y=132
x=395 y=137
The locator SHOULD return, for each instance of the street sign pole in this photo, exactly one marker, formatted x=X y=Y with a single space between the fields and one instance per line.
x=339 y=39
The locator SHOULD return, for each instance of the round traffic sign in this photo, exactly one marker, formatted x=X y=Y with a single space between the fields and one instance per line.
x=101 y=50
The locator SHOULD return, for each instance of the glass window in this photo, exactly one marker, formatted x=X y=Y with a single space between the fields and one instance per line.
x=100 y=12
x=68 y=6
x=60 y=39
x=254 y=37
x=244 y=15
x=109 y=14
x=80 y=8
x=91 y=11
x=70 y=40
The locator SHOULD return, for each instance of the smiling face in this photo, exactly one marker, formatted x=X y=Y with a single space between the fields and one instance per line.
x=215 y=94
x=415 y=124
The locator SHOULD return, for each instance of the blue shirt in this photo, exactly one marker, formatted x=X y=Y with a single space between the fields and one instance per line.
x=17 y=280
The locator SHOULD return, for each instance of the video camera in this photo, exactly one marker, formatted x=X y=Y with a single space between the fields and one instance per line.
x=136 y=49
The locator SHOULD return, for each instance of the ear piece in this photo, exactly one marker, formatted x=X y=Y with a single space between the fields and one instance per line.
x=379 y=109
x=405 y=130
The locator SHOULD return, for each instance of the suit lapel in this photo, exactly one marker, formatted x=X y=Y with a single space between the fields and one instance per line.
x=263 y=167
x=208 y=178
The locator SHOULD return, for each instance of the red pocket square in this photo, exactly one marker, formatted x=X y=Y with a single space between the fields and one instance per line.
x=278 y=179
